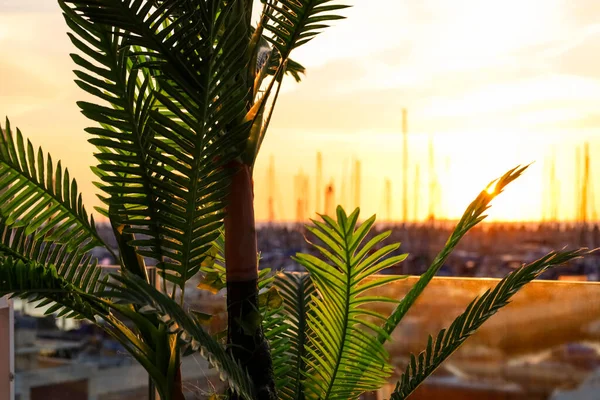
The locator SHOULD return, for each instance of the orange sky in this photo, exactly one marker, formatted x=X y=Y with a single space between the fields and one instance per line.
x=494 y=84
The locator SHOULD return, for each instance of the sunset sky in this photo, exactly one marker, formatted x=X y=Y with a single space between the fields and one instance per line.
x=493 y=84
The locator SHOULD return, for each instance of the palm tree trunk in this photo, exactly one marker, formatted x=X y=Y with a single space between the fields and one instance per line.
x=245 y=332
x=178 y=387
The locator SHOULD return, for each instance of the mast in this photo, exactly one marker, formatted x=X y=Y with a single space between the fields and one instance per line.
x=352 y=181
x=306 y=193
x=271 y=190
x=554 y=192
x=432 y=183
x=585 y=183
x=357 y=178
x=388 y=200
x=404 y=166
x=417 y=188
x=319 y=182
x=329 y=200
x=344 y=189
x=301 y=195
x=578 y=215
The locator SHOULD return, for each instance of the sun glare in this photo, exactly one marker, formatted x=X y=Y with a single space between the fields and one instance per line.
x=491 y=189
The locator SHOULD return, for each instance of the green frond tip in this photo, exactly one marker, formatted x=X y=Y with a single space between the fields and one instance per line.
x=344 y=358
x=293 y=23
x=477 y=312
x=40 y=196
x=471 y=217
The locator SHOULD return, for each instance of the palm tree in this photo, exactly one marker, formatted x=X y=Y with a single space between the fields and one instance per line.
x=185 y=92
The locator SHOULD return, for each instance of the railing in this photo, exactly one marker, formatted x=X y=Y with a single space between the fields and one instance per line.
x=548 y=338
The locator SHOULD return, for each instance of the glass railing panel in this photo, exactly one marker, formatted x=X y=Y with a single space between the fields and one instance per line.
x=544 y=345
x=59 y=358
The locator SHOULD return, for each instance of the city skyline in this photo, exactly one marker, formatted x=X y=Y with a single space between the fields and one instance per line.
x=491 y=98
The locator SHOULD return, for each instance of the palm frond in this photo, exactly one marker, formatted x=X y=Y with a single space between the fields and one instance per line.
x=477 y=312
x=41 y=197
x=293 y=68
x=198 y=122
x=133 y=290
x=297 y=291
x=274 y=328
x=175 y=36
x=37 y=282
x=75 y=265
x=343 y=359
x=471 y=217
x=108 y=73
x=290 y=23
x=296 y=22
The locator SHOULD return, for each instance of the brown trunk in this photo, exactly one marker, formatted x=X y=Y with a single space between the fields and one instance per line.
x=178 y=387
x=245 y=332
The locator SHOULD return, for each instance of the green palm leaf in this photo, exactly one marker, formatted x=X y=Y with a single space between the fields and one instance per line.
x=297 y=291
x=134 y=290
x=108 y=73
x=75 y=265
x=343 y=359
x=477 y=312
x=197 y=125
x=472 y=216
x=36 y=281
x=296 y=22
x=274 y=326
x=41 y=197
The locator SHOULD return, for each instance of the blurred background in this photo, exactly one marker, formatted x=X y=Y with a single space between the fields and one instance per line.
x=408 y=110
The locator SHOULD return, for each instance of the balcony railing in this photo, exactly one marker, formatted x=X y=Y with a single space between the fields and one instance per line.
x=547 y=340
x=7 y=366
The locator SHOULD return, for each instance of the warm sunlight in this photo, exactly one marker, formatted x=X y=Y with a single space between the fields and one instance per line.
x=489 y=101
x=271 y=200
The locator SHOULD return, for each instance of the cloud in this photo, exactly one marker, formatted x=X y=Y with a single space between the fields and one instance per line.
x=580 y=59
x=27 y=6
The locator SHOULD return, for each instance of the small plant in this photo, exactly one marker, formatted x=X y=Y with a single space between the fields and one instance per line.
x=186 y=90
